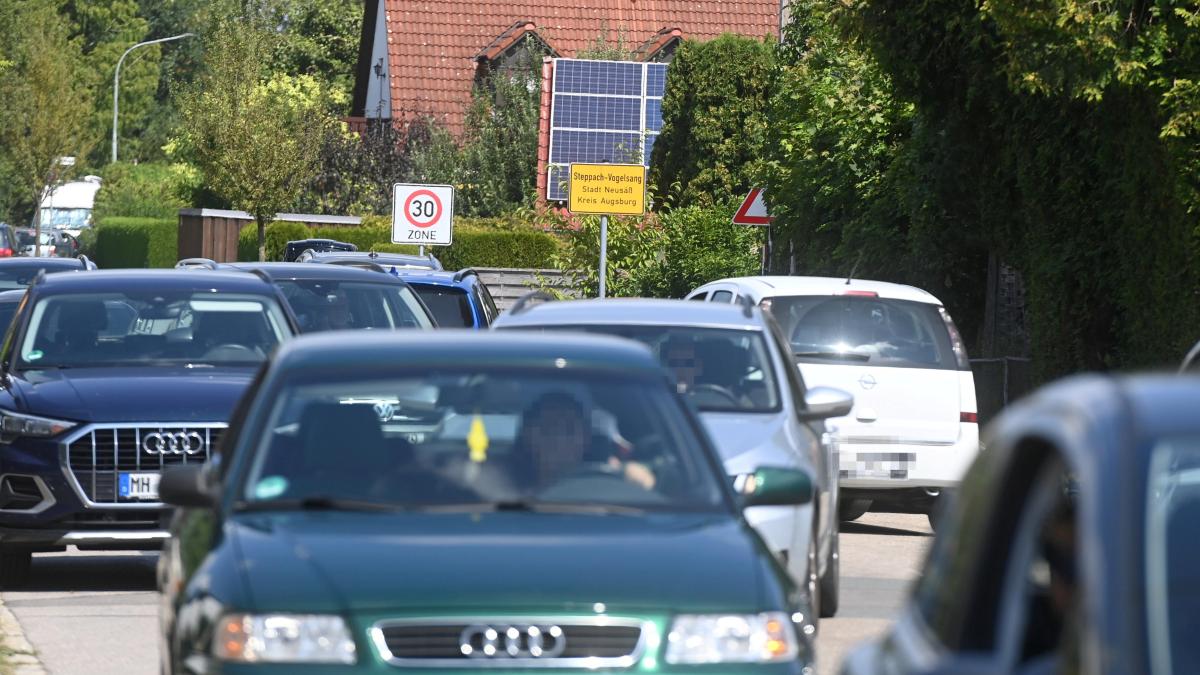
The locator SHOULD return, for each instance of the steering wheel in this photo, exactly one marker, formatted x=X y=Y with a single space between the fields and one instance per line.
x=709 y=390
x=230 y=351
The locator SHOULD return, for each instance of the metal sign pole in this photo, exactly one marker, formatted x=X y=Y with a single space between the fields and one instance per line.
x=421 y=250
x=603 y=251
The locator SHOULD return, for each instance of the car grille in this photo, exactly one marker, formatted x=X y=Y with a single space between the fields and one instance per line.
x=594 y=642
x=97 y=457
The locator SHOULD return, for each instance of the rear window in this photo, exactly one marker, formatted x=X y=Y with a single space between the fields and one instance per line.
x=323 y=304
x=450 y=306
x=865 y=330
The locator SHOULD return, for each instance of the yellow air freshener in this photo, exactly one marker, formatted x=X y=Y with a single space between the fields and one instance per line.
x=477 y=440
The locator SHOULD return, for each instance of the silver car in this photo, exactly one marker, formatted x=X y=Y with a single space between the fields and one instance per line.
x=733 y=364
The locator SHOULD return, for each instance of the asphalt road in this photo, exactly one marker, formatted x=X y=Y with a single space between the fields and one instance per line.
x=97 y=613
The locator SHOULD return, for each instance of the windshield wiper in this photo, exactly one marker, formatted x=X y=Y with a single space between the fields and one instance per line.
x=845 y=356
x=317 y=503
x=534 y=506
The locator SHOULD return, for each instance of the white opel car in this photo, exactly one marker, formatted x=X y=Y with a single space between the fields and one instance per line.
x=914 y=427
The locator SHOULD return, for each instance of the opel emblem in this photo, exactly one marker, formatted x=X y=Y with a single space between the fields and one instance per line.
x=512 y=641
x=867 y=381
x=173 y=443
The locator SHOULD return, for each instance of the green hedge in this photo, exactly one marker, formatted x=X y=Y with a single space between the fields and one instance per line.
x=475 y=245
x=137 y=242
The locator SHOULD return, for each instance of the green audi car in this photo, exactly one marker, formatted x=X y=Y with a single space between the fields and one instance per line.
x=511 y=503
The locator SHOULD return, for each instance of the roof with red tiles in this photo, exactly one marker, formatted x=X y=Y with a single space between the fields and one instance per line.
x=435 y=46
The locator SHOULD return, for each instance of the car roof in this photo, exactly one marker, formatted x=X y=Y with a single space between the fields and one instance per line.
x=634 y=311
x=436 y=277
x=13 y=296
x=425 y=262
x=774 y=286
x=116 y=280
x=42 y=263
x=340 y=350
x=284 y=270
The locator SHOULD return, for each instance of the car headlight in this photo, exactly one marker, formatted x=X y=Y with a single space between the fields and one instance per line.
x=732 y=638
x=14 y=425
x=284 y=638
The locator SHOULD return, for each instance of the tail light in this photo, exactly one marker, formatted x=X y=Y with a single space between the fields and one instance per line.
x=6 y=252
x=956 y=341
x=970 y=417
x=862 y=294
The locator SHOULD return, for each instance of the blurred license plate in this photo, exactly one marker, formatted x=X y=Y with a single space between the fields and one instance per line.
x=139 y=486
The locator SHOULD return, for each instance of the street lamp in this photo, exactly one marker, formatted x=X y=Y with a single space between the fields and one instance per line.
x=117 y=80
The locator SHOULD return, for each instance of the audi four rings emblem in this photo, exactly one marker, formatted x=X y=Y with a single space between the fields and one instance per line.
x=512 y=641
x=173 y=443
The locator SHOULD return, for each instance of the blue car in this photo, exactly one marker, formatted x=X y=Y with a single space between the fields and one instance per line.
x=108 y=377
x=457 y=299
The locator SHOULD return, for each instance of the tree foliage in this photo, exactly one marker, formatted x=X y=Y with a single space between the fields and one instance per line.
x=923 y=137
x=255 y=137
x=46 y=101
x=715 y=120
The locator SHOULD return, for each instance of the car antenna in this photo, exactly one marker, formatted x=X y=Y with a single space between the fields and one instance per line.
x=855 y=268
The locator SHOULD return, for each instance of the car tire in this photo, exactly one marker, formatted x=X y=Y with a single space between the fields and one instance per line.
x=814 y=580
x=830 y=581
x=14 y=567
x=853 y=509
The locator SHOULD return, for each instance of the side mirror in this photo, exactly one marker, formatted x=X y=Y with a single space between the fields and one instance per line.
x=772 y=486
x=186 y=486
x=821 y=403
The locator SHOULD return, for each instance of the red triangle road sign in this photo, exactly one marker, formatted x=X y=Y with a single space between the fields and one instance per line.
x=753 y=210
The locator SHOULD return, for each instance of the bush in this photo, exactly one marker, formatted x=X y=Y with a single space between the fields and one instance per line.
x=137 y=242
x=715 y=120
x=475 y=244
x=702 y=245
x=142 y=191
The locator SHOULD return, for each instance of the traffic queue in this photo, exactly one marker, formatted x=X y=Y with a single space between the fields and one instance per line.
x=619 y=484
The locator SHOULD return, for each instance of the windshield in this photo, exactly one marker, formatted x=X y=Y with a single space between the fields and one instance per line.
x=484 y=439
x=718 y=369
x=449 y=305
x=322 y=305
x=65 y=218
x=1173 y=556
x=114 y=329
x=865 y=330
x=19 y=276
x=7 y=311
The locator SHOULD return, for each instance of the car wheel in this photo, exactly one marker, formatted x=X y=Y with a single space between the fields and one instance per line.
x=829 y=581
x=14 y=567
x=853 y=509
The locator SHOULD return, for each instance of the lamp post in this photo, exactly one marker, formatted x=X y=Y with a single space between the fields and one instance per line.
x=117 y=81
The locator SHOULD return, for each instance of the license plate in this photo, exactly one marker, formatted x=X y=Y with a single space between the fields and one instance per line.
x=139 y=486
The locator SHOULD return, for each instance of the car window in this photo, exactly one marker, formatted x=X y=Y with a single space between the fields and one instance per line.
x=450 y=306
x=865 y=330
x=7 y=311
x=1173 y=556
x=718 y=369
x=480 y=437
x=701 y=297
x=157 y=327
x=721 y=296
x=487 y=303
x=321 y=305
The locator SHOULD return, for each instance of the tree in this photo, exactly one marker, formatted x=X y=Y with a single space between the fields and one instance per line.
x=715 y=122
x=255 y=138
x=104 y=30
x=47 y=104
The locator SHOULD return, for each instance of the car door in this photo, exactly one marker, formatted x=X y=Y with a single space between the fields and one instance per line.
x=972 y=611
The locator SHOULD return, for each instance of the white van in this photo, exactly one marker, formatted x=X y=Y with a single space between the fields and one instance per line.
x=914 y=427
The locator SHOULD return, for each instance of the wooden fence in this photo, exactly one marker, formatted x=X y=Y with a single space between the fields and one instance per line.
x=507 y=284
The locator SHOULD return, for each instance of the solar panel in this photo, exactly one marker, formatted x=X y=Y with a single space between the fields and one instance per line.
x=602 y=111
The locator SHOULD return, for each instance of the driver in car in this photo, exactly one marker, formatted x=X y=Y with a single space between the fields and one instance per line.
x=556 y=437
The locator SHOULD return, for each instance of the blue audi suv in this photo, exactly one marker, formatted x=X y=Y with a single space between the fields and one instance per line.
x=107 y=378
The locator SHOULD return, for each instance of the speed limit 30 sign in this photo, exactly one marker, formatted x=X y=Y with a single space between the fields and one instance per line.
x=422 y=214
